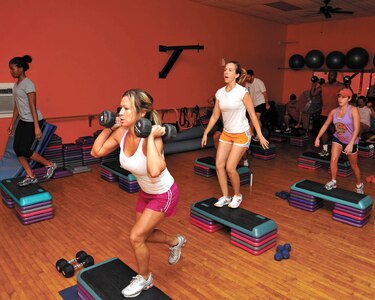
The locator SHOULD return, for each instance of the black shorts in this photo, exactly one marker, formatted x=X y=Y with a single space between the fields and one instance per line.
x=261 y=108
x=24 y=137
x=337 y=141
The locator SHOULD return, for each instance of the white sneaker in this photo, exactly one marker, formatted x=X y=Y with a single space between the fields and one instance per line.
x=137 y=285
x=360 y=189
x=236 y=201
x=224 y=200
x=175 y=254
x=330 y=185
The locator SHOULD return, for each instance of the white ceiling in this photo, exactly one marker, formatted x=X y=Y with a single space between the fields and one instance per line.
x=308 y=9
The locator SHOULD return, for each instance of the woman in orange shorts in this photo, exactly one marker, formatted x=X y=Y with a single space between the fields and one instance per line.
x=233 y=100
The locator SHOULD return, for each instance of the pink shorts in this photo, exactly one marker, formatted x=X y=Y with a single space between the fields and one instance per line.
x=166 y=202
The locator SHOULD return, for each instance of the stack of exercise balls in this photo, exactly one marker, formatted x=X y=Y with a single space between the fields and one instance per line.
x=356 y=58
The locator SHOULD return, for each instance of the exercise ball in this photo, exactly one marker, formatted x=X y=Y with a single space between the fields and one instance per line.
x=296 y=62
x=335 y=60
x=314 y=59
x=356 y=58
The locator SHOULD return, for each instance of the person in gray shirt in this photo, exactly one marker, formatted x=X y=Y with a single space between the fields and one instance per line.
x=30 y=120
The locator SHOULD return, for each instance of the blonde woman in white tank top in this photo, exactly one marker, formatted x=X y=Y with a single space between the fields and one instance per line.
x=158 y=195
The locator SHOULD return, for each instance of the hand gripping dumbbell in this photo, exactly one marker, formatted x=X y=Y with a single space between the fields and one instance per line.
x=107 y=118
x=143 y=126
x=69 y=269
x=80 y=256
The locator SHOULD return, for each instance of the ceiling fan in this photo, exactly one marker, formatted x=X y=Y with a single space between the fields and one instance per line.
x=327 y=10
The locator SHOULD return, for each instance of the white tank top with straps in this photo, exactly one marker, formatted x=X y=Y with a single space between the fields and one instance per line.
x=137 y=165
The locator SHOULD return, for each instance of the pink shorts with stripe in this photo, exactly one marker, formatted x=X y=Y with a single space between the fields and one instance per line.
x=165 y=202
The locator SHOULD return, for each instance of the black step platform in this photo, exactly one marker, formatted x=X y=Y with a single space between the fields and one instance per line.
x=106 y=280
x=249 y=231
x=350 y=207
x=240 y=219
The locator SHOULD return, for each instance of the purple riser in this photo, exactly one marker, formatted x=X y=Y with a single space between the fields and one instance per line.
x=303 y=207
x=9 y=204
x=297 y=193
x=201 y=216
x=307 y=205
x=265 y=241
x=25 y=211
x=351 y=223
x=205 y=227
x=304 y=201
x=203 y=220
x=113 y=179
x=83 y=294
x=253 y=239
x=352 y=209
x=360 y=215
x=35 y=220
x=354 y=221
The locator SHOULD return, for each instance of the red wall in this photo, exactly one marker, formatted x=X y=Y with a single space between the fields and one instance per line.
x=87 y=53
x=327 y=36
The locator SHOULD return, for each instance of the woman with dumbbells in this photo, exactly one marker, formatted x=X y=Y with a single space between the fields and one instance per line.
x=158 y=195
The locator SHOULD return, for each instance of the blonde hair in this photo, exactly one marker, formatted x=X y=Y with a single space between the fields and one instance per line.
x=142 y=101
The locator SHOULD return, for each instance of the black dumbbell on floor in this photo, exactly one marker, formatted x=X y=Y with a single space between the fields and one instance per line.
x=69 y=269
x=80 y=256
x=143 y=126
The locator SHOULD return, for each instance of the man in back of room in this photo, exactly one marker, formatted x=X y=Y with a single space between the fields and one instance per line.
x=328 y=92
x=258 y=94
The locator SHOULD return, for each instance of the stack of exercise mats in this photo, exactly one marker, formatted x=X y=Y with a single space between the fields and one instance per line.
x=350 y=208
x=32 y=203
x=85 y=143
x=107 y=279
x=54 y=151
x=111 y=171
x=313 y=161
x=365 y=150
x=265 y=154
x=73 y=158
x=206 y=167
x=249 y=231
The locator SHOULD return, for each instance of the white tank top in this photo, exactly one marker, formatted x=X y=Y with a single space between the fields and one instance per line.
x=137 y=165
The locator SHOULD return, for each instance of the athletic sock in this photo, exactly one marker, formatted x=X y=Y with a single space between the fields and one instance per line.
x=325 y=147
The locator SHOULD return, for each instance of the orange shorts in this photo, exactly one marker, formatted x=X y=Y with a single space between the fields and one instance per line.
x=239 y=139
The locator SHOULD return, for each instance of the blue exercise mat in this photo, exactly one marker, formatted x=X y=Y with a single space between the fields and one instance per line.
x=9 y=164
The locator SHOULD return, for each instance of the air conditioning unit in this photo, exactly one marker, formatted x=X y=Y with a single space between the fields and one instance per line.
x=6 y=100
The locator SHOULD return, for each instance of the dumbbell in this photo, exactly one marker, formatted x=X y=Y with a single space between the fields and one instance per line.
x=282 y=252
x=347 y=80
x=143 y=126
x=69 y=269
x=314 y=79
x=80 y=256
x=322 y=81
x=107 y=118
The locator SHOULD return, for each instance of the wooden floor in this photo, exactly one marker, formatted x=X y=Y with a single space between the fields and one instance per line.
x=329 y=260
